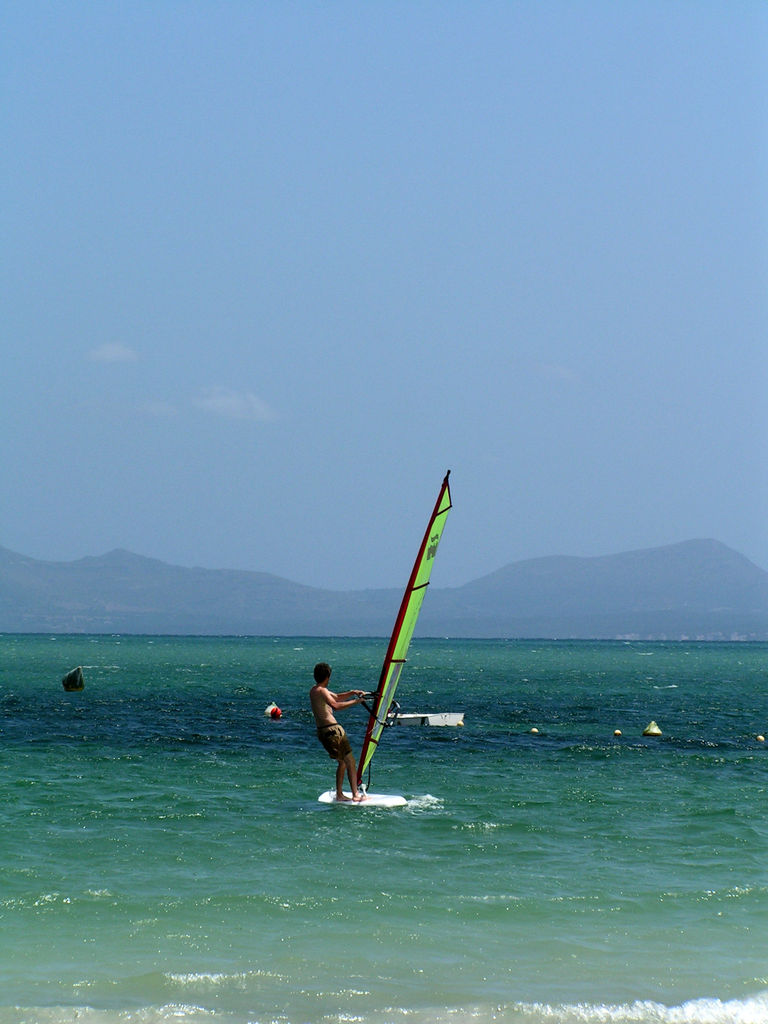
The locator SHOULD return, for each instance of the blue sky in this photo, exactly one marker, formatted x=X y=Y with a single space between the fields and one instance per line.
x=269 y=269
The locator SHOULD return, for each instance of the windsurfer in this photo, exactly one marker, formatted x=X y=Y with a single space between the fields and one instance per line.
x=332 y=735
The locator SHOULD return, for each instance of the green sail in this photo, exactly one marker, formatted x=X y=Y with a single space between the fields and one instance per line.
x=404 y=626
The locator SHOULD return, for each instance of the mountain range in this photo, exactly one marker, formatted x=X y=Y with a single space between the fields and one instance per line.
x=695 y=589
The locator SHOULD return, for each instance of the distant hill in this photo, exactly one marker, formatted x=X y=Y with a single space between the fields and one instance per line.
x=697 y=589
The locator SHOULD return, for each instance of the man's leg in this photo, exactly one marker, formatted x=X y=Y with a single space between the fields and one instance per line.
x=352 y=773
x=340 y=768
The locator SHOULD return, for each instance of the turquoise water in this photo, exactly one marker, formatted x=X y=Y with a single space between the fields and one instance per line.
x=163 y=856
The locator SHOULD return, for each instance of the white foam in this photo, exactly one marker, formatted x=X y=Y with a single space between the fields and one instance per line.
x=425 y=802
x=749 y=1010
x=90 y=1015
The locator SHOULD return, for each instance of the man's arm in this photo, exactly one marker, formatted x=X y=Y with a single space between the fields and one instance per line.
x=338 y=701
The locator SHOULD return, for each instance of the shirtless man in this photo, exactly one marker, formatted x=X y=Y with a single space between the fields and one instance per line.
x=330 y=733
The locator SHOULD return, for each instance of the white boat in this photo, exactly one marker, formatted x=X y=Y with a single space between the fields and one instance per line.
x=429 y=718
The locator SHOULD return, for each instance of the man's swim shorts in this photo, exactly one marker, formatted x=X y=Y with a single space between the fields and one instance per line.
x=335 y=741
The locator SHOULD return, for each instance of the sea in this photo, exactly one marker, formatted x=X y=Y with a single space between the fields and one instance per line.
x=164 y=857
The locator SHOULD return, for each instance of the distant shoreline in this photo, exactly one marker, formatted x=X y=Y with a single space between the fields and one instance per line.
x=697 y=591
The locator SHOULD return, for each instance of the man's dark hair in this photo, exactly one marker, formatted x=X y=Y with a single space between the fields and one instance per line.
x=322 y=672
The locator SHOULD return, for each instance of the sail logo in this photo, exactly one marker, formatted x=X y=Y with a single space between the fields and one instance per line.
x=432 y=549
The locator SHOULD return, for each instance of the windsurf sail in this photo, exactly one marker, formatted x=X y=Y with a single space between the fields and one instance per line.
x=404 y=626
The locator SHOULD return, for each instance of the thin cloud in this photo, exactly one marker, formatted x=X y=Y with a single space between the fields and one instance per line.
x=559 y=371
x=113 y=353
x=234 y=405
x=159 y=409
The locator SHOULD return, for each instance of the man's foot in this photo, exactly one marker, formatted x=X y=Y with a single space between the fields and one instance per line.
x=343 y=798
x=359 y=797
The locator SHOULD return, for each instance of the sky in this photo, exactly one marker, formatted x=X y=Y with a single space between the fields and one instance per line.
x=268 y=270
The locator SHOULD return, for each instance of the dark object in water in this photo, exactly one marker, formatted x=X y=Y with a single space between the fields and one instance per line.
x=73 y=680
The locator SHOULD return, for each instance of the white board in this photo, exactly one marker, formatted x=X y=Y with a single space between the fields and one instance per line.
x=372 y=800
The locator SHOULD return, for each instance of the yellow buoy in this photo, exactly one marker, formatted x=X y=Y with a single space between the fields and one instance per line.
x=617 y=732
x=652 y=730
x=760 y=738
